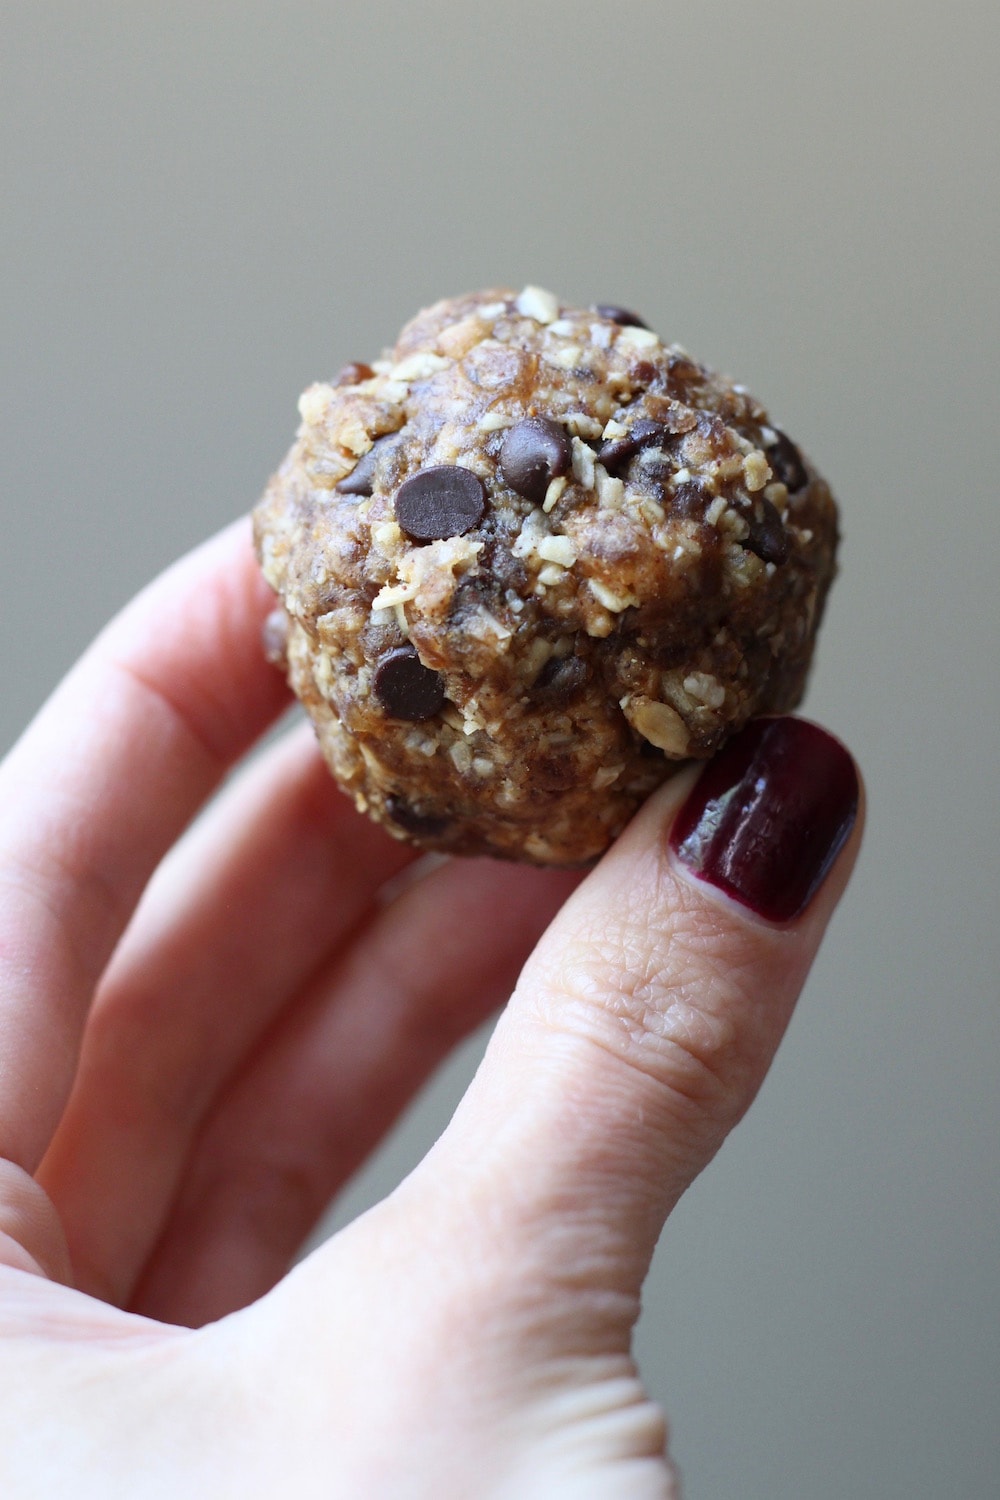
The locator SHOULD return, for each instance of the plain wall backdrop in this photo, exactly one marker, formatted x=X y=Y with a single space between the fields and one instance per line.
x=206 y=207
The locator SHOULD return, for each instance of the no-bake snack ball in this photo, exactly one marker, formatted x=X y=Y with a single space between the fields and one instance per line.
x=531 y=561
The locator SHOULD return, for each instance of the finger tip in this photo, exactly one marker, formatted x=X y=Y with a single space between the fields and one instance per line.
x=769 y=817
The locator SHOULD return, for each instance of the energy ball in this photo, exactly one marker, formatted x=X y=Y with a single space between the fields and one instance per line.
x=529 y=563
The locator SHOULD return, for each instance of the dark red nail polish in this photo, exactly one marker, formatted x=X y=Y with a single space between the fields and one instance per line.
x=769 y=815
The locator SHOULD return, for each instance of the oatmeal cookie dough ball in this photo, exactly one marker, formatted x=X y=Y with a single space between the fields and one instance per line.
x=529 y=562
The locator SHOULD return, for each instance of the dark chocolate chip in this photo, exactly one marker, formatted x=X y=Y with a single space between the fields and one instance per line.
x=768 y=537
x=560 y=678
x=353 y=374
x=534 y=453
x=440 y=502
x=421 y=825
x=406 y=688
x=362 y=477
x=786 y=463
x=616 y=452
x=619 y=315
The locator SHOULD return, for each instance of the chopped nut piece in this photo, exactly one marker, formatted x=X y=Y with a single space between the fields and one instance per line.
x=553 y=492
x=580 y=425
x=610 y=492
x=757 y=470
x=419 y=366
x=612 y=601
x=637 y=338
x=583 y=464
x=457 y=340
x=557 y=549
x=706 y=689
x=495 y=421
x=352 y=434
x=314 y=403
x=535 y=302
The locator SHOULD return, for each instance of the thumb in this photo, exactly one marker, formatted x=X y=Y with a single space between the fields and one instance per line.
x=648 y=1015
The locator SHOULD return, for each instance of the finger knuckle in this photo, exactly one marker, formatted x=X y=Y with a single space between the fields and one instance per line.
x=666 y=997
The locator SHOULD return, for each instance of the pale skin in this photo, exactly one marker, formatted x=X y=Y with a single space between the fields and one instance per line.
x=204 y=1033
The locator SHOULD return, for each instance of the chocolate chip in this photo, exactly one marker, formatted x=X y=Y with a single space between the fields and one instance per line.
x=440 y=502
x=619 y=315
x=616 y=452
x=768 y=537
x=421 y=825
x=560 y=678
x=786 y=463
x=534 y=453
x=362 y=477
x=406 y=688
x=353 y=374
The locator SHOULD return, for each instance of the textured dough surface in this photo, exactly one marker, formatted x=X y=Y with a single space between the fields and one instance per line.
x=518 y=686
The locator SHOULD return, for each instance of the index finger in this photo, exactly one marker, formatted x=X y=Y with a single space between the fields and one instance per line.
x=101 y=784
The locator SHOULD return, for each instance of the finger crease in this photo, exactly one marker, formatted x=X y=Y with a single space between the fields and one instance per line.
x=183 y=716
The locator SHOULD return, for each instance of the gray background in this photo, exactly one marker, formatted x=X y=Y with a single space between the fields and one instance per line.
x=206 y=207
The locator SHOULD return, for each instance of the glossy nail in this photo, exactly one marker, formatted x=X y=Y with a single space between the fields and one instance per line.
x=769 y=815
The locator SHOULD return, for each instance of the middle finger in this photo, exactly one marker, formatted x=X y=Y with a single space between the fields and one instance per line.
x=278 y=874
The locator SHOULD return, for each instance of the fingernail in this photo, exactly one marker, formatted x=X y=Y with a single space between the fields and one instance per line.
x=769 y=815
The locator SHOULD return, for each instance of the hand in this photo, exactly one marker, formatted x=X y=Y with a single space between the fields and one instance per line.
x=196 y=1054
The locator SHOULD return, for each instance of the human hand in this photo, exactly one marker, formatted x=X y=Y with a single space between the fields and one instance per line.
x=179 y=1103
